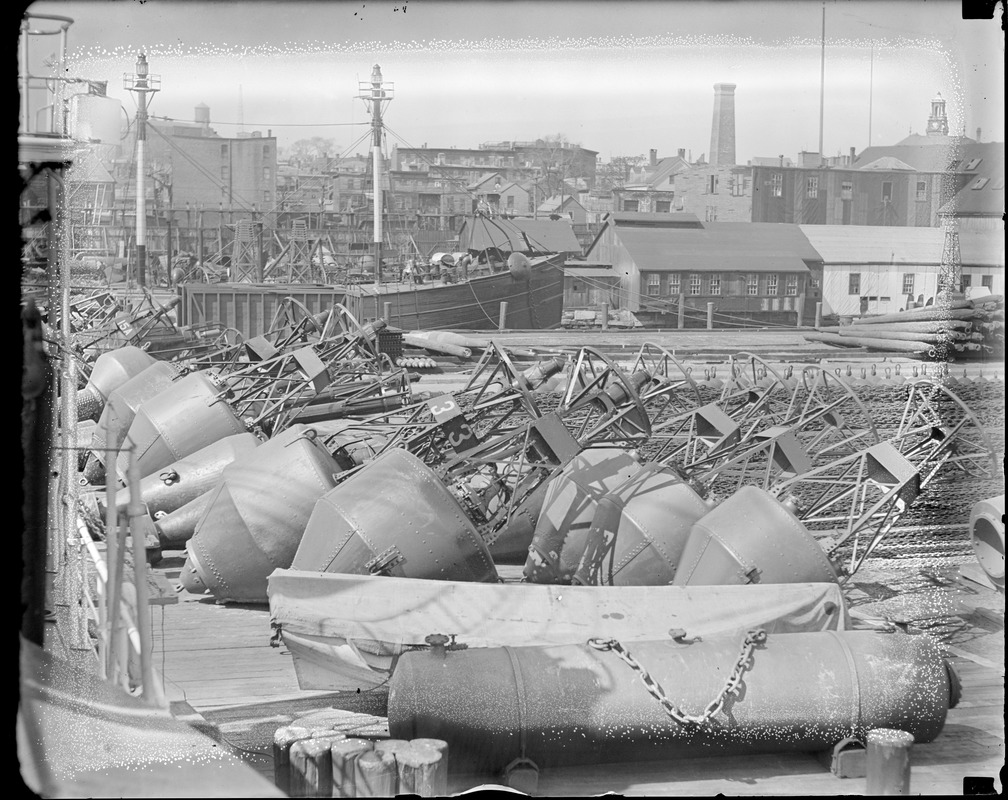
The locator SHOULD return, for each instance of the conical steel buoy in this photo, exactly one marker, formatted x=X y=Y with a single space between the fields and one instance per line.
x=120 y=411
x=751 y=538
x=177 y=527
x=568 y=508
x=110 y=371
x=166 y=490
x=256 y=516
x=185 y=417
x=640 y=529
x=394 y=517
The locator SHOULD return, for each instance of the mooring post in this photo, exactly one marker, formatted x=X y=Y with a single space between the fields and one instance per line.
x=710 y=316
x=605 y=316
x=888 y=761
x=502 y=321
x=682 y=311
x=387 y=312
x=818 y=315
x=799 y=309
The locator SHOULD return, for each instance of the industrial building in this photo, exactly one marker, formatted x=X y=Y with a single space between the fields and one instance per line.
x=748 y=271
x=880 y=270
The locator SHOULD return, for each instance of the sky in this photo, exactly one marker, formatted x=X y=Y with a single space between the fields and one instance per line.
x=620 y=78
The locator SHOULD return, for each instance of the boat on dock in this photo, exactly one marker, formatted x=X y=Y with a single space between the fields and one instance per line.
x=383 y=617
x=529 y=298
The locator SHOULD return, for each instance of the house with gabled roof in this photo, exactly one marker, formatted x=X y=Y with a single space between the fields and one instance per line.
x=563 y=206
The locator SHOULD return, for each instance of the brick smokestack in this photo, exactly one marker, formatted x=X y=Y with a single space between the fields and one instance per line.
x=722 y=147
x=654 y=157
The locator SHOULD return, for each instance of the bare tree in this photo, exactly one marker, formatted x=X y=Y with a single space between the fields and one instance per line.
x=616 y=173
x=558 y=162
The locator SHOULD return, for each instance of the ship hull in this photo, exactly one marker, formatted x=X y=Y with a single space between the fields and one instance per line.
x=535 y=303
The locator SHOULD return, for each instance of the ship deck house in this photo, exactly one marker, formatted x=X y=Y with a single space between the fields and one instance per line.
x=749 y=271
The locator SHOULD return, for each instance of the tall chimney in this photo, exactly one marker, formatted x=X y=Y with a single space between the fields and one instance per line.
x=852 y=156
x=781 y=157
x=722 y=148
x=654 y=157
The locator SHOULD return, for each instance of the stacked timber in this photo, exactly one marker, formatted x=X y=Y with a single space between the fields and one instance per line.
x=959 y=329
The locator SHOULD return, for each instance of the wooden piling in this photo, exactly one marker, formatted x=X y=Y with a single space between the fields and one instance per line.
x=283 y=738
x=344 y=755
x=375 y=774
x=422 y=770
x=682 y=311
x=311 y=765
x=502 y=319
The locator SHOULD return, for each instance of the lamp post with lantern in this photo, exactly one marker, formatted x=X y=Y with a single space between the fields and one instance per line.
x=143 y=84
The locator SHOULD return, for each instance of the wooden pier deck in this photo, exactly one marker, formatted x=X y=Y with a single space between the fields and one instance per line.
x=221 y=673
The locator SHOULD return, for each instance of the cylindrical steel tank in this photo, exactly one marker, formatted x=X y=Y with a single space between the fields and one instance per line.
x=751 y=538
x=120 y=410
x=256 y=515
x=574 y=704
x=639 y=530
x=171 y=488
x=176 y=528
x=987 y=534
x=177 y=422
x=394 y=517
x=568 y=508
x=111 y=370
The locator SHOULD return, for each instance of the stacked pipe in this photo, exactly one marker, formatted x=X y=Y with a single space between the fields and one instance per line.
x=957 y=328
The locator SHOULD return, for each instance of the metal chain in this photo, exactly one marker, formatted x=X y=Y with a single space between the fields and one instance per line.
x=713 y=708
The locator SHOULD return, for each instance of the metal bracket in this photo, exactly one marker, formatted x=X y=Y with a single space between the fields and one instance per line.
x=385 y=561
x=846 y=759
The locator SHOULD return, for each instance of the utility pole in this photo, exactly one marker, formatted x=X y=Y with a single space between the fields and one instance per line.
x=822 y=79
x=871 y=86
x=373 y=93
x=143 y=84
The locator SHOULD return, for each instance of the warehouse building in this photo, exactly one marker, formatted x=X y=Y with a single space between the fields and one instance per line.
x=876 y=270
x=750 y=272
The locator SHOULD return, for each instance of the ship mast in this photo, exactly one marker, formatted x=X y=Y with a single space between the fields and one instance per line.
x=374 y=93
x=143 y=84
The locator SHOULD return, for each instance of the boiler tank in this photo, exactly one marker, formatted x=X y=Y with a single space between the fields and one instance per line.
x=575 y=704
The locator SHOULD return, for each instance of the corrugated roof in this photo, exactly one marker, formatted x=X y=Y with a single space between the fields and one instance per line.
x=874 y=244
x=720 y=247
x=545 y=236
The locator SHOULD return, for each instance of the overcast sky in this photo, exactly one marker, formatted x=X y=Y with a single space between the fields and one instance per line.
x=617 y=77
